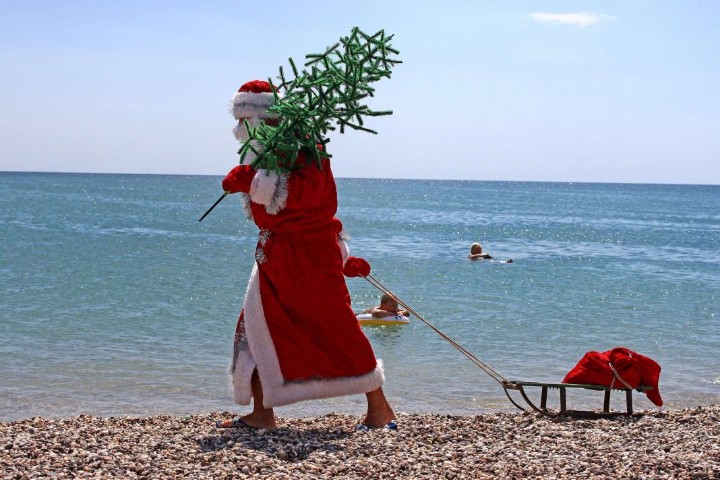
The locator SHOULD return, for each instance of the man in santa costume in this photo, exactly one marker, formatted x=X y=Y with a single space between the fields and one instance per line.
x=297 y=337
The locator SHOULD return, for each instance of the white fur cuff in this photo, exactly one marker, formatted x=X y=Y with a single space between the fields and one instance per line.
x=263 y=187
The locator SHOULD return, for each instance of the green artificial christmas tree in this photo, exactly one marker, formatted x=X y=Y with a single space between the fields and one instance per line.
x=328 y=94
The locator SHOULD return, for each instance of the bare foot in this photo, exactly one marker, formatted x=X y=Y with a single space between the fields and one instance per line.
x=379 y=420
x=379 y=412
x=248 y=421
x=254 y=420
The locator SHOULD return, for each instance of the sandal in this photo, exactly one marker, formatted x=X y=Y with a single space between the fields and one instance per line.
x=233 y=423
x=391 y=425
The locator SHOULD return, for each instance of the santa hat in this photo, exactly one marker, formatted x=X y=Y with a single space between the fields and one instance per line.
x=253 y=100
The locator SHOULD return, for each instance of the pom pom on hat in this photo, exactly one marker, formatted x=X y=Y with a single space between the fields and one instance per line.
x=252 y=100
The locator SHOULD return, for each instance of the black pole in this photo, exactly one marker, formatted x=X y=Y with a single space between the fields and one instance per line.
x=214 y=205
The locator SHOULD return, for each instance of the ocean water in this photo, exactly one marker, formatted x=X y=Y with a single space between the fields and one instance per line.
x=117 y=301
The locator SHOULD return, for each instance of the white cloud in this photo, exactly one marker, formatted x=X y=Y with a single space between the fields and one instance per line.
x=579 y=19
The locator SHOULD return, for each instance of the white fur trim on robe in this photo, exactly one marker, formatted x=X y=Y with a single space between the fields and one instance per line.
x=261 y=354
x=344 y=249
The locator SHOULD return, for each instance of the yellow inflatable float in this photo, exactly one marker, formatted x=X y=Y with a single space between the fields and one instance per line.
x=366 y=319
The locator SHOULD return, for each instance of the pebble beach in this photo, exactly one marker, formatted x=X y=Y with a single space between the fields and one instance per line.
x=682 y=444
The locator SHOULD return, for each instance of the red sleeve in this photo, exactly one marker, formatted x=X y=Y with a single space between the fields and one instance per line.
x=238 y=179
x=310 y=186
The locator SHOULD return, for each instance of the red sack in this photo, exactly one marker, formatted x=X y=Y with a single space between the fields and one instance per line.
x=618 y=368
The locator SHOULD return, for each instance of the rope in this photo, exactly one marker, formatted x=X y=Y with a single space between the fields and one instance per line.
x=483 y=366
x=617 y=376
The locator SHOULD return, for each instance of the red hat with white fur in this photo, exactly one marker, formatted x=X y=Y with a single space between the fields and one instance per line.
x=253 y=100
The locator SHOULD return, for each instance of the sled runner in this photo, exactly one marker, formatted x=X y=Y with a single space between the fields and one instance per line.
x=521 y=387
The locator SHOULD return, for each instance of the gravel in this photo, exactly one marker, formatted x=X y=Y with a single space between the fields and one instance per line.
x=682 y=444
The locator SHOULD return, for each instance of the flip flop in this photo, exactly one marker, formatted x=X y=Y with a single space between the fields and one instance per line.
x=233 y=423
x=391 y=425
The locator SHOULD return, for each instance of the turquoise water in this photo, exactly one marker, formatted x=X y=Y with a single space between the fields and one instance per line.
x=116 y=301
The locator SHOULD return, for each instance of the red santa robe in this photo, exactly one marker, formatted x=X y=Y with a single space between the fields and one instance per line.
x=618 y=368
x=297 y=327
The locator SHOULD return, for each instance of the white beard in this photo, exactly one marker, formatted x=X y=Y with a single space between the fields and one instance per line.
x=241 y=134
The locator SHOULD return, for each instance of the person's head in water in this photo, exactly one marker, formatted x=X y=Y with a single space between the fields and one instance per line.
x=476 y=252
x=388 y=303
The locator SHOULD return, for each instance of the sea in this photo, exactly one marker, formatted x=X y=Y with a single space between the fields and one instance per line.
x=116 y=301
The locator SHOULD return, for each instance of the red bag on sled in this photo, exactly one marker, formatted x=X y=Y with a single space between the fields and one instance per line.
x=618 y=368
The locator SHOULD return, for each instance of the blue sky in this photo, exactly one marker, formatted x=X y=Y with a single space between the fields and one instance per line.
x=584 y=91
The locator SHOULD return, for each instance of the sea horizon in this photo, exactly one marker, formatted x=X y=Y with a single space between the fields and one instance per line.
x=369 y=178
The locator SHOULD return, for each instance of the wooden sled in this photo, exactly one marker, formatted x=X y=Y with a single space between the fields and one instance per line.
x=563 y=387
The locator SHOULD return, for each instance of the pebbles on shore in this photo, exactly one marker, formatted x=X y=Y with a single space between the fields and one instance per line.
x=682 y=444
